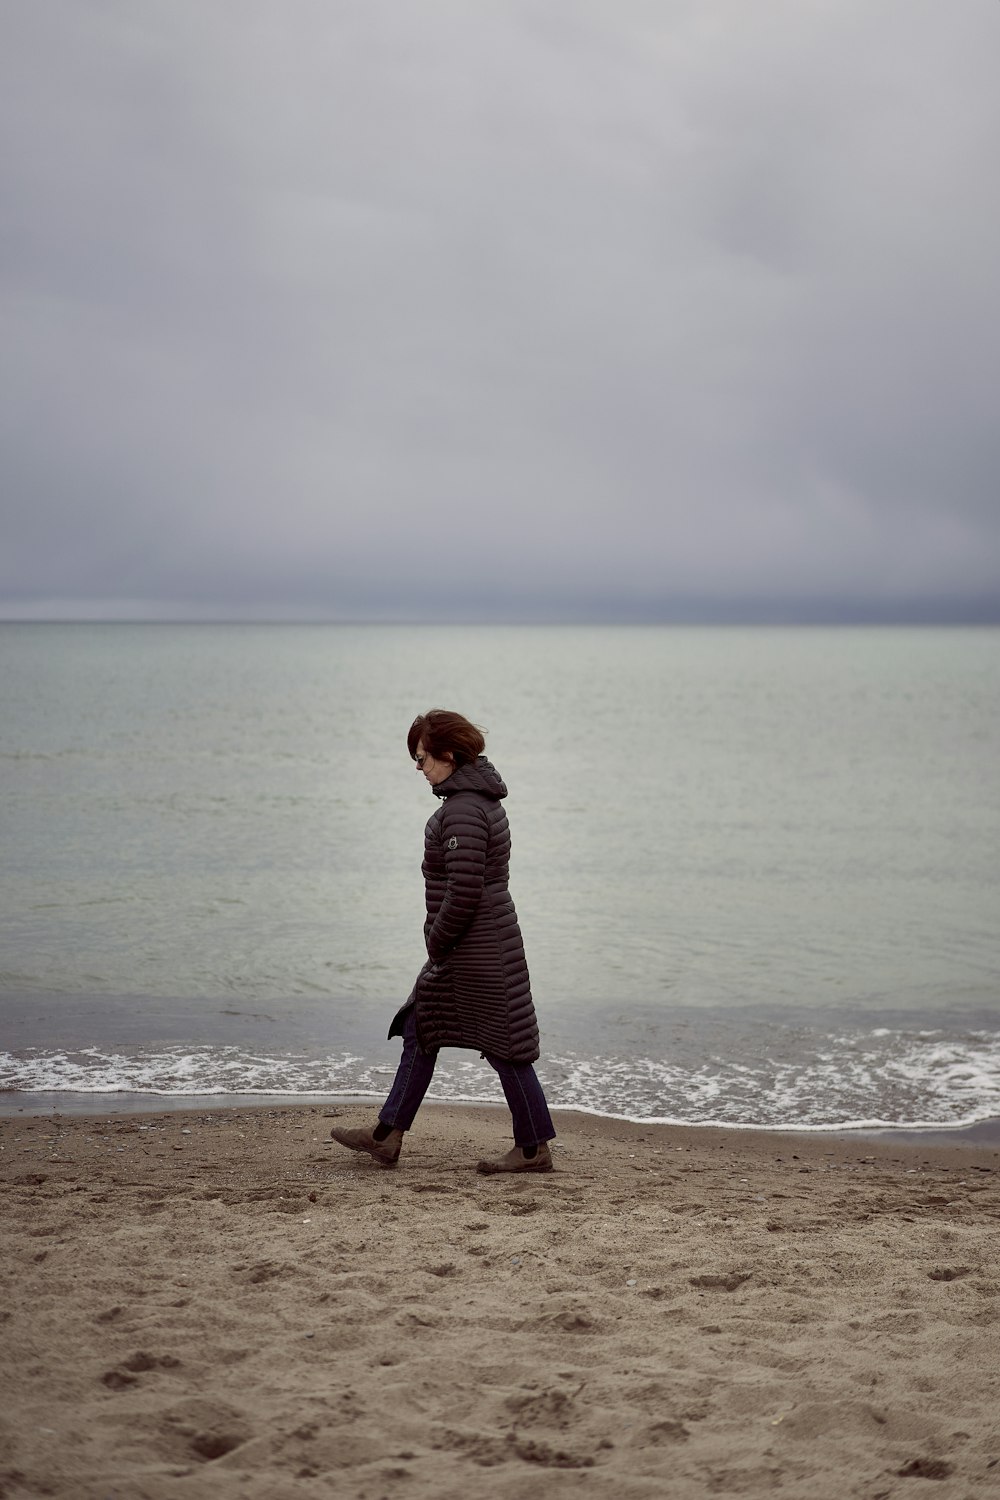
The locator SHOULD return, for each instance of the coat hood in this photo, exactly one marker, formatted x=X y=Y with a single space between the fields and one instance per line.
x=476 y=776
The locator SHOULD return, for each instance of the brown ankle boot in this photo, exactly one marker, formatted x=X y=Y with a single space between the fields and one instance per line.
x=516 y=1161
x=386 y=1152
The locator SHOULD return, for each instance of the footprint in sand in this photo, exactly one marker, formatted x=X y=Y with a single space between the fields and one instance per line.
x=926 y=1468
x=140 y=1362
x=665 y=1431
x=209 y=1445
x=265 y=1270
x=207 y=1429
x=724 y=1283
x=552 y=1408
x=488 y=1450
x=570 y=1322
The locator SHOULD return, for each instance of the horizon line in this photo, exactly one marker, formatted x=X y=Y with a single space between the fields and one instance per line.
x=907 y=621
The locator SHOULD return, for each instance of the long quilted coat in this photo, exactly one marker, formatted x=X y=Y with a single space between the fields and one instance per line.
x=474 y=990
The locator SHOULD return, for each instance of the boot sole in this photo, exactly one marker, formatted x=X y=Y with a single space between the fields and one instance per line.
x=487 y=1169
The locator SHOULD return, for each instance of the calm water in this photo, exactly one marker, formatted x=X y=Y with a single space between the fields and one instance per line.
x=757 y=870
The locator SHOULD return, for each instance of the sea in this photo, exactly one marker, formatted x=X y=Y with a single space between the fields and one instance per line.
x=756 y=869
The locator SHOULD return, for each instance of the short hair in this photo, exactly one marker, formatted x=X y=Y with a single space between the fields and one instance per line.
x=443 y=732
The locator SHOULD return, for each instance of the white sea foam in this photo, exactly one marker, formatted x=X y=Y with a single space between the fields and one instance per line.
x=856 y=1080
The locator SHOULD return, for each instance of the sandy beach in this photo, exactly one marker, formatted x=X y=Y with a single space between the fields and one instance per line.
x=223 y=1303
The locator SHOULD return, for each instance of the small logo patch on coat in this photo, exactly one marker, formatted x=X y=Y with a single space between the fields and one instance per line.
x=453 y=842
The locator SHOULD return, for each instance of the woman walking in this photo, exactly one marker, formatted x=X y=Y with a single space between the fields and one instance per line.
x=474 y=989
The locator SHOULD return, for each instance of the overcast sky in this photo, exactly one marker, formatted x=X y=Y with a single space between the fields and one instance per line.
x=542 y=309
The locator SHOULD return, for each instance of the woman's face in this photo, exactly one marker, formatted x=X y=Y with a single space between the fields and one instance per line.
x=436 y=771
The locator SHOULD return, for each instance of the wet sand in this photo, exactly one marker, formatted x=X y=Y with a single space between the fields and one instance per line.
x=221 y=1302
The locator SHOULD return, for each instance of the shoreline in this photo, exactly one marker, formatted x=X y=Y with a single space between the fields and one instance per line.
x=13 y=1105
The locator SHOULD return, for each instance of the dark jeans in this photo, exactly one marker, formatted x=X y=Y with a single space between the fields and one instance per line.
x=530 y=1113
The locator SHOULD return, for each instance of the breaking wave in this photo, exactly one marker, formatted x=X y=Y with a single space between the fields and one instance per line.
x=880 y=1078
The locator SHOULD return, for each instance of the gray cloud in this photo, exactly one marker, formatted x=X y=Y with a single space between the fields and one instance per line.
x=545 y=309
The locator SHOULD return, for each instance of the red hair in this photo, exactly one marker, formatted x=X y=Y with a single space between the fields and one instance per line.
x=443 y=733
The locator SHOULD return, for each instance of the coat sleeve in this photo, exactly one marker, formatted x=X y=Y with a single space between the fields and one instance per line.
x=465 y=836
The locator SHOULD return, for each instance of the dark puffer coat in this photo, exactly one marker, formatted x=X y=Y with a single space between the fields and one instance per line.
x=474 y=990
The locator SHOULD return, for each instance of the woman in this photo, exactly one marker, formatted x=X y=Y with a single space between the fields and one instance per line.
x=474 y=990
